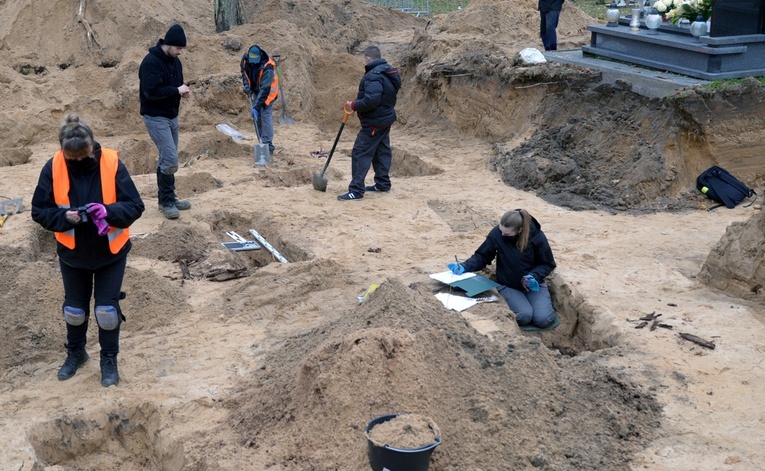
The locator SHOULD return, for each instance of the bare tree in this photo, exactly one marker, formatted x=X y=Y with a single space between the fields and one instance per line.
x=228 y=13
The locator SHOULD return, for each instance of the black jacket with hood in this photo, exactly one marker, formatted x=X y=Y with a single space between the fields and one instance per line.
x=376 y=100
x=160 y=75
x=512 y=264
x=549 y=5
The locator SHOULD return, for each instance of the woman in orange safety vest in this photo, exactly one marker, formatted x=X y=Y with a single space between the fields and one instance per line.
x=86 y=197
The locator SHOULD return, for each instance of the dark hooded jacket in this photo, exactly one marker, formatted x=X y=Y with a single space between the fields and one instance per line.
x=160 y=76
x=512 y=264
x=265 y=85
x=91 y=250
x=376 y=100
x=549 y=5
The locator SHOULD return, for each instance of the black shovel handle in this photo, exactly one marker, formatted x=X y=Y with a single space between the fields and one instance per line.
x=254 y=121
x=346 y=113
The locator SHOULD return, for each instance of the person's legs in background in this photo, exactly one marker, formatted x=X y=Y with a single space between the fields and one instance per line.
x=164 y=134
x=361 y=159
x=266 y=124
x=381 y=162
x=548 y=24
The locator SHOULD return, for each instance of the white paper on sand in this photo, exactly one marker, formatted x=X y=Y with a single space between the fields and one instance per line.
x=448 y=277
x=456 y=303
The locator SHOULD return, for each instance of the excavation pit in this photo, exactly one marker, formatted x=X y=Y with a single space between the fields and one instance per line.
x=129 y=438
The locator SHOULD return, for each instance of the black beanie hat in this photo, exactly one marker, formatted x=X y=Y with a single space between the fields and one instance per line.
x=175 y=36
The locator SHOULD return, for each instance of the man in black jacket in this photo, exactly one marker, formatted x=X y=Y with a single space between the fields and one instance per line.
x=549 y=11
x=375 y=104
x=161 y=90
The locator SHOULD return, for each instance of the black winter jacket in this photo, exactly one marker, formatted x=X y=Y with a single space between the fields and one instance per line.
x=91 y=251
x=160 y=76
x=376 y=99
x=513 y=265
x=550 y=5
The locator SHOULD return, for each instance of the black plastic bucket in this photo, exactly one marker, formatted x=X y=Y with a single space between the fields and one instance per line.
x=386 y=458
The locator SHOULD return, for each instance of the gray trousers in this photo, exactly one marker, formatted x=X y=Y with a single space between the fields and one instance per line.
x=164 y=134
x=530 y=307
x=266 y=126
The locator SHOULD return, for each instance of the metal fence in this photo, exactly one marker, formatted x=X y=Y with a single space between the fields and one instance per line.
x=422 y=7
x=415 y=7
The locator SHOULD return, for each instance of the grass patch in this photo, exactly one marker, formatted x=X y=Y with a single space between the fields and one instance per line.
x=726 y=83
x=445 y=6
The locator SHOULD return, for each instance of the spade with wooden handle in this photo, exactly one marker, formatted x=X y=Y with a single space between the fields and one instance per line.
x=319 y=181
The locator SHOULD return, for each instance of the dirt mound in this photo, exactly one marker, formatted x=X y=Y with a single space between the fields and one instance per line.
x=736 y=265
x=401 y=352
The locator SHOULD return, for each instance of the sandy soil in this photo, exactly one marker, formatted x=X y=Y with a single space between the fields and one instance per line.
x=232 y=360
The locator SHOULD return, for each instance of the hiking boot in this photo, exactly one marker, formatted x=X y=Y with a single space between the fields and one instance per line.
x=170 y=211
x=180 y=204
x=350 y=196
x=74 y=359
x=376 y=188
x=110 y=376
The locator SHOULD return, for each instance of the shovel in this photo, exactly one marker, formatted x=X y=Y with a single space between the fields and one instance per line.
x=319 y=182
x=283 y=119
x=261 y=151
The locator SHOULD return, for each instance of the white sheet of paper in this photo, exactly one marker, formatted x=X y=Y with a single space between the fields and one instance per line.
x=448 y=277
x=456 y=303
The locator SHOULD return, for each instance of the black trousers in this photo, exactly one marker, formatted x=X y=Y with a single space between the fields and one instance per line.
x=105 y=285
x=166 y=188
x=372 y=148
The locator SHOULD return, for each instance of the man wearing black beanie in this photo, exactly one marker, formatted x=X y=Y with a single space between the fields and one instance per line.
x=161 y=89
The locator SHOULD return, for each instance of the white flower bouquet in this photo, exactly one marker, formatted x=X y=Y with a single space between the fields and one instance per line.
x=675 y=10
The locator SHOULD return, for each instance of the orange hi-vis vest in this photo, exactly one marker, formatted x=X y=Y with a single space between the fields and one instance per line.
x=108 y=167
x=274 y=92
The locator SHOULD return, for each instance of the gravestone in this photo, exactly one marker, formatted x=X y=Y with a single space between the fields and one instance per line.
x=737 y=17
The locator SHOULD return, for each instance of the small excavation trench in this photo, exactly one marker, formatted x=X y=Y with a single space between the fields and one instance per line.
x=128 y=438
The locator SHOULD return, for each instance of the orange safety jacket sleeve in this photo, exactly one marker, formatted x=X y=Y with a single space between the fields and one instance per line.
x=268 y=85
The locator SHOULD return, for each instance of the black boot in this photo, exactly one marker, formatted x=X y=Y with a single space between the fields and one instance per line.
x=75 y=357
x=109 y=374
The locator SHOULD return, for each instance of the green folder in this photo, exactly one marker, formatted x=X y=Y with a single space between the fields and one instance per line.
x=475 y=285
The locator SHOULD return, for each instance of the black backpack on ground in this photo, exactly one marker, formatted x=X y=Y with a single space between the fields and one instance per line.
x=719 y=185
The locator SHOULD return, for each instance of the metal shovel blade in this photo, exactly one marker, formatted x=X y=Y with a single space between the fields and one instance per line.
x=285 y=120
x=319 y=182
x=262 y=154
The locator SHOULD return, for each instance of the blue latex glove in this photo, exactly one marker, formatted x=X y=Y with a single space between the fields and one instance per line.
x=456 y=268
x=255 y=113
x=530 y=283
